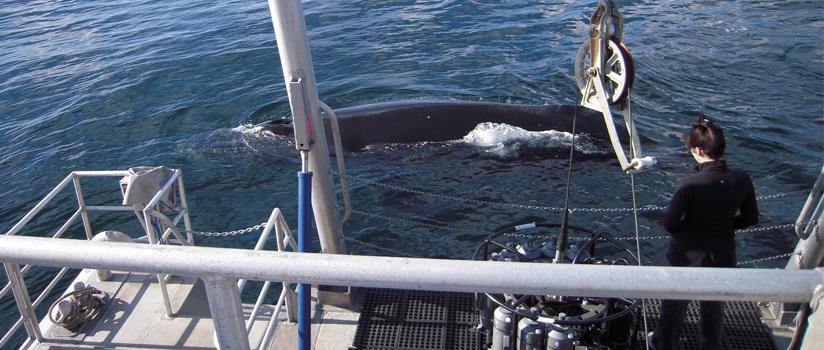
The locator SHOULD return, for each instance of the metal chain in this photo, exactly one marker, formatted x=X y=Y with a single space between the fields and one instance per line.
x=753 y=261
x=382 y=248
x=779 y=195
x=648 y=208
x=227 y=233
x=416 y=223
x=465 y=200
x=462 y=230
x=765 y=228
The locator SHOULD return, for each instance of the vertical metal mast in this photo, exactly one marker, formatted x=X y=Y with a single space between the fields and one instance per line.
x=299 y=74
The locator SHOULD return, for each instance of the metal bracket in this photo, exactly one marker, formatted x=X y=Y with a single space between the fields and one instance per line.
x=813 y=212
x=594 y=97
x=300 y=118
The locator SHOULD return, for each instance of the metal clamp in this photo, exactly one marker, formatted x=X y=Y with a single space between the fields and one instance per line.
x=300 y=118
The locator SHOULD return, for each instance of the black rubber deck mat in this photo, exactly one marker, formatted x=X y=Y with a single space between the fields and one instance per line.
x=424 y=320
x=743 y=329
x=417 y=320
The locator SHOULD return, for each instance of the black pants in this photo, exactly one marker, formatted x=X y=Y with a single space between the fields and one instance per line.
x=674 y=312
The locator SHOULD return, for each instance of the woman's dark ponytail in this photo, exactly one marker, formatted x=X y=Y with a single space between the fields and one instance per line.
x=706 y=136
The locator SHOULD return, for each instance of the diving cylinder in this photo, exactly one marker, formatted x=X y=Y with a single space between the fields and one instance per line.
x=502 y=332
x=559 y=340
x=486 y=307
x=530 y=335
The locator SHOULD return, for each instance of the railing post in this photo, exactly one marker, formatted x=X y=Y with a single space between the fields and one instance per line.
x=810 y=248
x=21 y=297
x=224 y=304
x=281 y=232
x=304 y=244
x=161 y=278
x=184 y=204
x=81 y=203
x=298 y=72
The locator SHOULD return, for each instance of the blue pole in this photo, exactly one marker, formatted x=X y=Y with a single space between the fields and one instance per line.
x=304 y=243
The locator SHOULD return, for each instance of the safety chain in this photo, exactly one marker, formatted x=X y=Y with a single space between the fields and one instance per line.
x=382 y=248
x=767 y=228
x=227 y=233
x=779 y=195
x=753 y=261
x=648 y=208
x=455 y=229
x=465 y=200
x=414 y=222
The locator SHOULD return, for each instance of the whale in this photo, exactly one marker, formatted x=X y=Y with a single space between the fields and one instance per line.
x=435 y=121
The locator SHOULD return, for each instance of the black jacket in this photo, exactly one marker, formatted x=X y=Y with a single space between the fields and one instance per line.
x=707 y=208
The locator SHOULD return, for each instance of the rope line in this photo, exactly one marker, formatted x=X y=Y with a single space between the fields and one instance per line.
x=633 y=152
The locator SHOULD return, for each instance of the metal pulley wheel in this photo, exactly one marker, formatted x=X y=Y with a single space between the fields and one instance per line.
x=619 y=70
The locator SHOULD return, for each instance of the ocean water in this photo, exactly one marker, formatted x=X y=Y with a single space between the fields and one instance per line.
x=113 y=84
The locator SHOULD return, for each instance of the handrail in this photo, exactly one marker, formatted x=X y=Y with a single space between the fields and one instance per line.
x=421 y=274
x=283 y=238
x=39 y=206
x=813 y=208
x=81 y=213
x=344 y=180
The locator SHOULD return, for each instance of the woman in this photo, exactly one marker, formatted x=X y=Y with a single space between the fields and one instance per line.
x=705 y=211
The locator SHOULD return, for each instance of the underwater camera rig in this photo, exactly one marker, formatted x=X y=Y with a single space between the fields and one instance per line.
x=605 y=73
x=554 y=322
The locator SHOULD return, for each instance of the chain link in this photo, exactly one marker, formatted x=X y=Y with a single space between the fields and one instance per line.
x=779 y=195
x=648 y=208
x=381 y=248
x=227 y=233
x=774 y=257
x=462 y=230
x=465 y=200
x=416 y=223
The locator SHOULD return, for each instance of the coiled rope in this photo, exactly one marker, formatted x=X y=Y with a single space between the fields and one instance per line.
x=75 y=309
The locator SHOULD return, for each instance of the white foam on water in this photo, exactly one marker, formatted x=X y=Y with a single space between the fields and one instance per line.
x=253 y=130
x=506 y=140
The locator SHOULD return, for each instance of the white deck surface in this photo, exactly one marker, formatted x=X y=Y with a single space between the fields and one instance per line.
x=135 y=319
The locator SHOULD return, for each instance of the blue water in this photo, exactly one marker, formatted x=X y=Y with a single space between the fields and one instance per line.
x=113 y=84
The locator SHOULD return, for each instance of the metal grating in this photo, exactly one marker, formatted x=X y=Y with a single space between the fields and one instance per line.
x=423 y=320
x=417 y=320
x=743 y=329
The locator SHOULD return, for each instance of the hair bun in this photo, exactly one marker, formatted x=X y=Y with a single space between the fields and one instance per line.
x=702 y=121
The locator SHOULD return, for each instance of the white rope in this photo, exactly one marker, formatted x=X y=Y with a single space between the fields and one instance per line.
x=638 y=253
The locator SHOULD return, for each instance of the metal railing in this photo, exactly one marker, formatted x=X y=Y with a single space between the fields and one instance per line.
x=220 y=268
x=809 y=249
x=156 y=225
x=284 y=240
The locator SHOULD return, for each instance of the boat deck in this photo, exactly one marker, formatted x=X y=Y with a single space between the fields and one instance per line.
x=389 y=319
x=420 y=320
x=136 y=319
